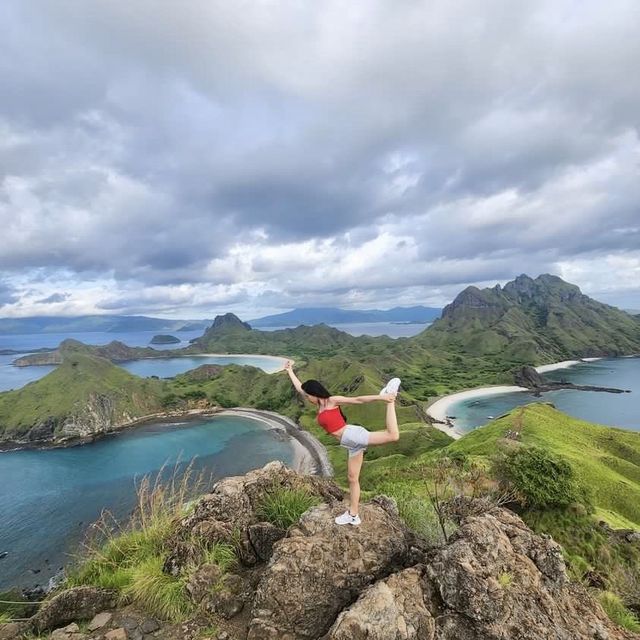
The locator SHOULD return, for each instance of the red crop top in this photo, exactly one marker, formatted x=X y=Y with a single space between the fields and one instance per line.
x=331 y=420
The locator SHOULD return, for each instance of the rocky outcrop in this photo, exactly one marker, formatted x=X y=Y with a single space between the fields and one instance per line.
x=78 y=603
x=319 y=568
x=391 y=609
x=234 y=505
x=494 y=580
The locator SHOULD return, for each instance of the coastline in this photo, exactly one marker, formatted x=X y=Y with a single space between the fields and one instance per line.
x=437 y=411
x=309 y=455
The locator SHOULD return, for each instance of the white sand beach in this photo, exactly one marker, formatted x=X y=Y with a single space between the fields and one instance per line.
x=439 y=410
x=309 y=455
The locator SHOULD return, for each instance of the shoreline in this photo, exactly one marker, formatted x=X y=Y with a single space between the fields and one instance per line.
x=437 y=410
x=309 y=455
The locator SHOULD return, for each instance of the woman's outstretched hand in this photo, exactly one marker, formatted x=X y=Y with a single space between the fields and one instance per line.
x=388 y=397
x=288 y=365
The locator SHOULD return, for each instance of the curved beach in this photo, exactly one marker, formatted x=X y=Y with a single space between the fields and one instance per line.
x=310 y=456
x=439 y=410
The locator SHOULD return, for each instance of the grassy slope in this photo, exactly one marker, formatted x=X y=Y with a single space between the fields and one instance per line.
x=66 y=390
x=605 y=459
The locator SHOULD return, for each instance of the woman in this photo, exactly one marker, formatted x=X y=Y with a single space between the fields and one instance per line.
x=353 y=437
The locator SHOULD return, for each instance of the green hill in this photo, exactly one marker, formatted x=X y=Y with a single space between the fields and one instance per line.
x=604 y=459
x=532 y=321
x=84 y=395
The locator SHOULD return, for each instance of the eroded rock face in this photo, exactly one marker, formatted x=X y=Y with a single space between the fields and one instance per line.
x=497 y=580
x=234 y=503
x=72 y=604
x=391 y=609
x=321 y=567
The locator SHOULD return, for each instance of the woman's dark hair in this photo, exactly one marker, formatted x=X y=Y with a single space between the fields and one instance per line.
x=317 y=389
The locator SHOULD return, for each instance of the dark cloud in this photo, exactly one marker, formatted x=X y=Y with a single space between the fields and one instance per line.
x=283 y=147
x=54 y=297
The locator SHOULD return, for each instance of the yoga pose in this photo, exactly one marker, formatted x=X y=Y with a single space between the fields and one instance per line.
x=351 y=436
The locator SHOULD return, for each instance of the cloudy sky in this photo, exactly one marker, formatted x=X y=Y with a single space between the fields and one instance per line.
x=181 y=159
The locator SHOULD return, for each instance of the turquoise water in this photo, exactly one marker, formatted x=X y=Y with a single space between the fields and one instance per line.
x=619 y=410
x=12 y=377
x=49 y=497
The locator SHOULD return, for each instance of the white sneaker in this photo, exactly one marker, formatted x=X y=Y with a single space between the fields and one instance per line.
x=347 y=518
x=391 y=387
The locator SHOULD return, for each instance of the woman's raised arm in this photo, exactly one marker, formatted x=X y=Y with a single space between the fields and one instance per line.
x=288 y=367
x=358 y=399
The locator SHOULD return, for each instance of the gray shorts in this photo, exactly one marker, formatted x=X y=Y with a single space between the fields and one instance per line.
x=354 y=438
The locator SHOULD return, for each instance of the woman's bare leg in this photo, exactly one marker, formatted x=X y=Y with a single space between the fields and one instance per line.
x=354 y=465
x=391 y=433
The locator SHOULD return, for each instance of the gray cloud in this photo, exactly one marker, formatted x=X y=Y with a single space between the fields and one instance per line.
x=151 y=147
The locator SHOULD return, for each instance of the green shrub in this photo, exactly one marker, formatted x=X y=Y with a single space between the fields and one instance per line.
x=614 y=608
x=170 y=401
x=282 y=507
x=541 y=478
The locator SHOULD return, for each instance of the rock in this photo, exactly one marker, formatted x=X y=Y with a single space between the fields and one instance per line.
x=3 y=555
x=77 y=603
x=129 y=623
x=149 y=625
x=223 y=635
x=497 y=578
x=205 y=579
x=263 y=536
x=321 y=567
x=100 y=620
x=116 y=634
x=215 y=591
x=13 y=630
x=71 y=628
x=391 y=609
x=227 y=600
x=233 y=504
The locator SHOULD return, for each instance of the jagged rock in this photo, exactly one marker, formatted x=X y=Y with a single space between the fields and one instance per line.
x=497 y=580
x=233 y=504
x=391 y=609
x=215 y=591
x=227 y=600
x=72 y=604
x=13 y=630
x=100 y=620
x=263 y=536
x=203 y=580
x=149 y=625
x=116 y=634
x=320 y=567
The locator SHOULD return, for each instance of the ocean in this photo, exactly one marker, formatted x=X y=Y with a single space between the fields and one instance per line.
x=618 y=410
x=48 y=498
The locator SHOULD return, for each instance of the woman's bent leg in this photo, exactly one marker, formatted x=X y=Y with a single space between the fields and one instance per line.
x=391 y=433
x=353 y=475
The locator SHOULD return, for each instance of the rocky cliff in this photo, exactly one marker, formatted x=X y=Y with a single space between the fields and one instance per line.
x=494 y=580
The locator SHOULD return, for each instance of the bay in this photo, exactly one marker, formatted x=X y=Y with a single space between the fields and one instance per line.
x=612 y=409
x=48 y=498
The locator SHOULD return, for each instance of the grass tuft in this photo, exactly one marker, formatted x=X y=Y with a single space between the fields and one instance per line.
x=283 y=507
x=618 y=613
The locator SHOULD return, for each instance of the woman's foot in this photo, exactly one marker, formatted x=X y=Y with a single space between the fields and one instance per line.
x=391 y=387
x=347 y=518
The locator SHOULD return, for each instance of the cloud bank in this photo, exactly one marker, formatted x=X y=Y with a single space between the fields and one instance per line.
x=183 y=160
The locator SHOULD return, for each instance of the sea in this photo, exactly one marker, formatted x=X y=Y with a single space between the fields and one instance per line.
x=611 y=409
x=50 y=498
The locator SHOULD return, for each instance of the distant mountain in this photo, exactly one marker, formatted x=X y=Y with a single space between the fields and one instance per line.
x=533 y=321
x=332 y=315
x=103 y=323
